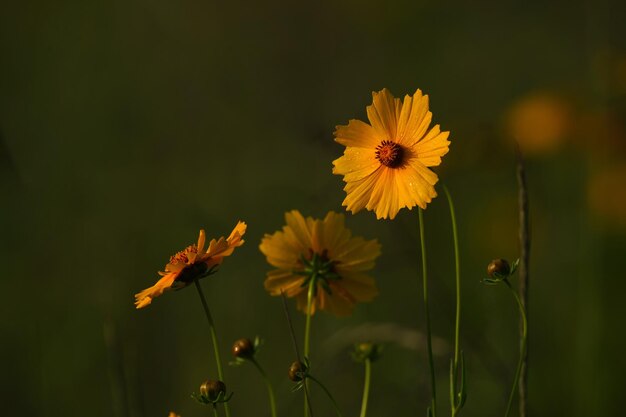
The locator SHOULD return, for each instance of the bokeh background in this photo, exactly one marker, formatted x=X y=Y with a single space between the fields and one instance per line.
x=127 y=126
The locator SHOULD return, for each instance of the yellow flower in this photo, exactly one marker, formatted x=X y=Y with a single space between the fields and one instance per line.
x=173 y=414
x=192 y=263
x=325 y=251
x=385 y=163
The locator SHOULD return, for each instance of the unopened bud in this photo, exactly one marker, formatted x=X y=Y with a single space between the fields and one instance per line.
x=212 y=390
x=243 y=348
x=366 y=350
x=498 y=268
x=296 y=370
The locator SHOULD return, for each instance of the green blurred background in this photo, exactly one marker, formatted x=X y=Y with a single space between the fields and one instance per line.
x=127 y=126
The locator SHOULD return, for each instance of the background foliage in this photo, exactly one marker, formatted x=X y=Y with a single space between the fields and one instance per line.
x=127 y=126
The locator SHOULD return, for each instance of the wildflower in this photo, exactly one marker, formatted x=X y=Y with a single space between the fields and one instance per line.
x=540 y=122
x=386 y=163
x=173 y=414
x=192 y=263
x=323 y=251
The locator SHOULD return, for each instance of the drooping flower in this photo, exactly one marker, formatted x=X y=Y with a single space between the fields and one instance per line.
x=324 y=251
x=386 y=163
x=192 y=263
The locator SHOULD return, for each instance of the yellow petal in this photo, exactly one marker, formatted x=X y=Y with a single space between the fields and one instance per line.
x=297 y=228
x=359 y=192
x=356 y=164
x=357 y=255
x=144 y=298
x=278 y=251
x=201 y=240
x=383 y=114
x=278 y=281
x=432 y=147
x=360 y=286
x=415 y=118
x=357 y=134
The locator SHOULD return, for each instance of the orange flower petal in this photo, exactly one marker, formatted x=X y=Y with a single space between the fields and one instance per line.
x=144 y=298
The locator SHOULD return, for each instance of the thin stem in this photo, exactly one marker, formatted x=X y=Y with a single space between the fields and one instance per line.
x=522 y=312
x=295 y=346
x=454 y=374
x=216 y=351
x=524 y=242
x=307 y=332
x=270 y=389
x=427 y=314
x=330 y=396
x=309 y=304
x=366 y=386
x=215 y=414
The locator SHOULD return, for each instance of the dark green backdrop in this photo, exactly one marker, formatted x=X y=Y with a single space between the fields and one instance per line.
x=127 y=126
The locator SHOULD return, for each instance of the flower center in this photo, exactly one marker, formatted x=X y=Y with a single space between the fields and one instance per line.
x=183 y=256
x=390 y=154
x=317 y=268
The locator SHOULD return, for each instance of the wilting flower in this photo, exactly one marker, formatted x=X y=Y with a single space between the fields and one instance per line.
x=385 y=163
x=192 y=263
x=323 y=251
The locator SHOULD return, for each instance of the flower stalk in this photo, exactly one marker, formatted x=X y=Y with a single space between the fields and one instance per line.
x=366 y=386
x=457 y=397
x=522 y=356
x=268 y=384
x=433 y=404
x=213 y=333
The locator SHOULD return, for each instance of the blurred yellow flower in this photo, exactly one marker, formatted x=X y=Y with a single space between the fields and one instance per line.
x=385 y=163
x=607 y=196
x=173 y=414
x=192 y=263
x=539 y=122
x=323 y=250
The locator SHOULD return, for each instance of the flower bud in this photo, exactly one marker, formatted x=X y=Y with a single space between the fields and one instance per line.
x=498 y=268
x=212 y=390
x=366 y=350
x=296 y=370
x=243 y=348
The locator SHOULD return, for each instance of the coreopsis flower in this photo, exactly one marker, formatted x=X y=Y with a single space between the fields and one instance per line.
x=324 y=251
x=386 y=163
x=194 y=262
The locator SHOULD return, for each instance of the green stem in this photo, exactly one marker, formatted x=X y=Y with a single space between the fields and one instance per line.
x=270 y=389
x=307 y=332
x=457 y=325
x=522 y=311
x=216 y=351
x=215 y=414
x=330 y=396
x=427 y=314
x=366 y=386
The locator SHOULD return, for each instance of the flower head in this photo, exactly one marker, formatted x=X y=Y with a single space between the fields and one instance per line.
x=192 y=263
x=323 y=251
x=386 y=163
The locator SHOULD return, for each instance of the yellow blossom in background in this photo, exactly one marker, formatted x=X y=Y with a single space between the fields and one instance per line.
x=606 y=194
x=539 y=122
x=173 y=414
x=325 y=248
x=386 y=163
x=192 y=263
